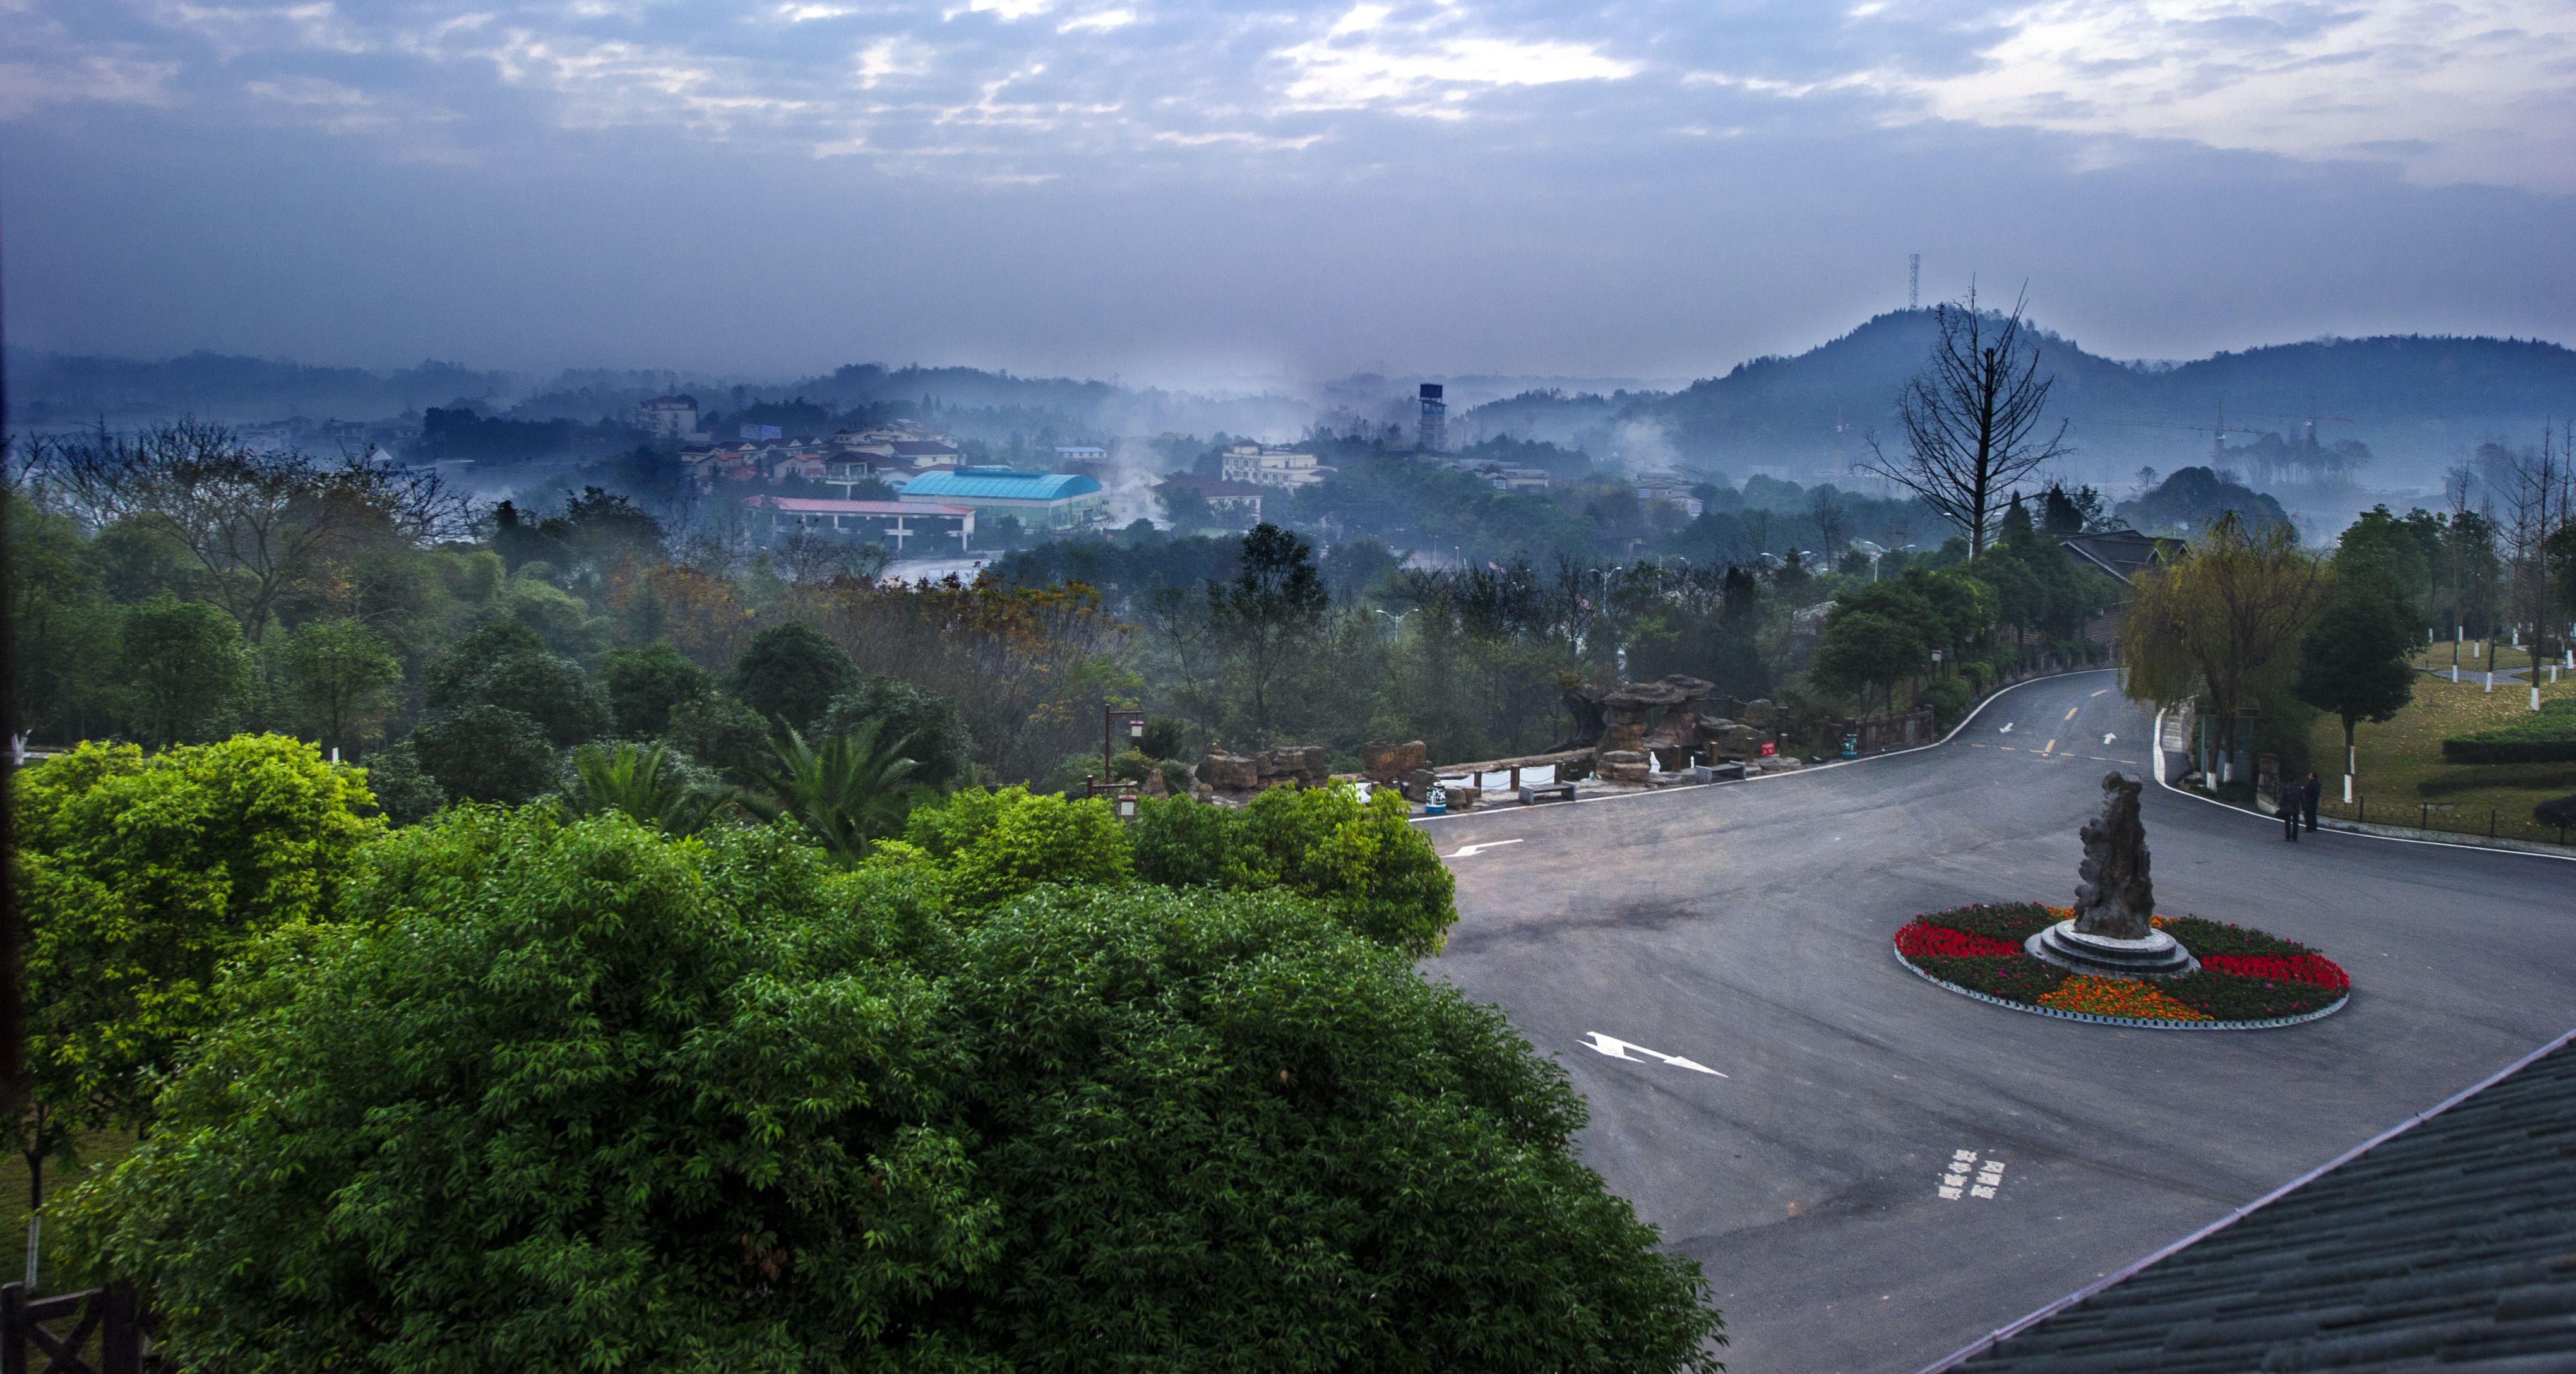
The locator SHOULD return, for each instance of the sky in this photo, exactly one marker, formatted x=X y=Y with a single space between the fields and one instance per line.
x=1206 y=194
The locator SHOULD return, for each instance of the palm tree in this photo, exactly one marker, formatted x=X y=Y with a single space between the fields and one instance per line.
x=646 y=786
x=852 y=790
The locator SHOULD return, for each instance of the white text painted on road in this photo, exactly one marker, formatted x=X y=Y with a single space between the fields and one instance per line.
x=1954 y=1176
x=1471 y=850
x=1617 y=1048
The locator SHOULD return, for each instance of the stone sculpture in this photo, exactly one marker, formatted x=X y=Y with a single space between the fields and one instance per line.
x=2115 y=898
x=2110 y=935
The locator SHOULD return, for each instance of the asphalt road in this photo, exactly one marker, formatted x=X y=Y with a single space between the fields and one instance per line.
x=1745 y=928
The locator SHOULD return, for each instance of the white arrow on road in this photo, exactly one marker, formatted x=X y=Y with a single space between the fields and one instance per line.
x=1471 y=850
x=1617 y=1048
x=2006 y=730
x=2106 y=739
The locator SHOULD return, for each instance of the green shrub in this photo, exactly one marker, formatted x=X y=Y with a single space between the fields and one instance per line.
x=1949 y=700
x=2203 y=936
x=2012 y=977
x=2013 y=921
x=2227 y=997
x=993 y=846
x=2547 y=738
x=574 y=1096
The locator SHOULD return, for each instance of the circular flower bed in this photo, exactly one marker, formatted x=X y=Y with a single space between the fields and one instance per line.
x=2246 y=979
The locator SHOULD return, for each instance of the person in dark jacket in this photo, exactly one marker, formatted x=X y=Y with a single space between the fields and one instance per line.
x=2290 y=813
x=2308 y=801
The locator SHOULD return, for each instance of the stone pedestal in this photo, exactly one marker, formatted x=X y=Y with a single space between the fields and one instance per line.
x=2158 y=955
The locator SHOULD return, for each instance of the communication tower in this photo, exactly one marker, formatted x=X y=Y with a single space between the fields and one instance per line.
x=1434 y=436
x=1913 y=279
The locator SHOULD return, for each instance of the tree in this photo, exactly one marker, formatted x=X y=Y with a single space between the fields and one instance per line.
x=256 y=524
x=506 y=664
x=407 y=793
x=1270 y=612
x=927 y=724
x=1861 y=650
x=854 y=790
x=340 y=678
x=2355 y=661
x=185 y=667
x=791 y=673
x=486 y=753
x=645 y=785
x=2223 y=620
x=644 y=684
x=139 y=877
x=640 y=1103
x=1972 y=419
x=723 y=734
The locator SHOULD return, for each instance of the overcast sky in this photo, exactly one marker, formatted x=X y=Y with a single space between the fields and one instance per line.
x=1189 y=191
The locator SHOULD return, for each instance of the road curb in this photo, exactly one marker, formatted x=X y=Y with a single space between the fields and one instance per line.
x=1679 y=788
x=2352 y=828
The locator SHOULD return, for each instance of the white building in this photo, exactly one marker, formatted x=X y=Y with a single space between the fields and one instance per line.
x=669 y=417
x=1261 y=465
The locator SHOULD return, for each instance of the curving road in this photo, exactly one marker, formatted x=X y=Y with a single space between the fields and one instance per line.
x=1798 y=1149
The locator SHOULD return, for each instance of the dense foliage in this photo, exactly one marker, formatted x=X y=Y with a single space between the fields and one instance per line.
x=564 y=1095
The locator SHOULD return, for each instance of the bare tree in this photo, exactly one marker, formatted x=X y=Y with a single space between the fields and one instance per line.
x=2538 y=488
x=1832 y=521
x=1972 y=418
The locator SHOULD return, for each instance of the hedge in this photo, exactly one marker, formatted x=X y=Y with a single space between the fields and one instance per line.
x=2550 y=738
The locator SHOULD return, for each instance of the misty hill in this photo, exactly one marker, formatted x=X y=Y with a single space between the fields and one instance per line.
x=2416 y=402
x=55 y=388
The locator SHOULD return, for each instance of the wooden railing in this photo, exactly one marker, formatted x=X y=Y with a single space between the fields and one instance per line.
x=111 y=1315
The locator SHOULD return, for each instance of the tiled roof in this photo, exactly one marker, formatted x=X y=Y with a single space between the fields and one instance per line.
x=2448 y=1243
x=999 y=483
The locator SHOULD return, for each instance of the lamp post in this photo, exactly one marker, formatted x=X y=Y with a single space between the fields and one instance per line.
x=1126 y=804
x=1109 y=718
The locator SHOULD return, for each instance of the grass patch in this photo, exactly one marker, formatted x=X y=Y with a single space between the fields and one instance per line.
x=96 y=1147
x=2499 y=658
x=2402 y=768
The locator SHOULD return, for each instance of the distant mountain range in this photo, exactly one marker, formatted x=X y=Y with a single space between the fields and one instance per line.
x=2416 y=402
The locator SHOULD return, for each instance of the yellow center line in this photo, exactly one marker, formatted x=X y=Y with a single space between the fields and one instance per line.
x=2051 y=749
x=2071 y=710
x=2005 y=747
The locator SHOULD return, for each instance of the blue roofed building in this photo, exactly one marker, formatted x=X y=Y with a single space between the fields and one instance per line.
x=1039 y=500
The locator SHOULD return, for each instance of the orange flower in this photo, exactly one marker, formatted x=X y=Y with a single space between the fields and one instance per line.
x=2123 y=997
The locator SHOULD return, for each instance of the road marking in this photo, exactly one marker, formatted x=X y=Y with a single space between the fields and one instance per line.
x=2096 y=694
x=2051 y=749
x=2008 y=725
x=1470 y=851
x=1617 y=1048
x=2005 y=747
x=1954 y=1176
x=1976 y=746
x=2071 y=710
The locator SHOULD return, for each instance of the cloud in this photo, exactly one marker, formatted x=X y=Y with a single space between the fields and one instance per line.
x=110 y=78
x=2463 y=90
x=1369 y=58
x=1101 y=22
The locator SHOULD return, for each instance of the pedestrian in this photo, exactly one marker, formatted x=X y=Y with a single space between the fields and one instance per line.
x=2290 y=813
x=2308 y=800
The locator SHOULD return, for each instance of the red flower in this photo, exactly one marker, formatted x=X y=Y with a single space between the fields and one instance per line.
x=1920 y=938
x=2301 y=968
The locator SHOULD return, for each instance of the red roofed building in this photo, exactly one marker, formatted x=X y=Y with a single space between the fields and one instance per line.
x=891 y=523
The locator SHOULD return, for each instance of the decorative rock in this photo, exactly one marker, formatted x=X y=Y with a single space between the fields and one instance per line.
x=2111 y=936
x=1229 y=772
x=2115 y=898
x=1384 y=762
x=1624 y=765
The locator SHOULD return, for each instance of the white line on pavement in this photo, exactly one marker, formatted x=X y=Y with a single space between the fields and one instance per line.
x=1472 y=850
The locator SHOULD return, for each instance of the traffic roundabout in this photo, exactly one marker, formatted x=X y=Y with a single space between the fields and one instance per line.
x=2238 y=978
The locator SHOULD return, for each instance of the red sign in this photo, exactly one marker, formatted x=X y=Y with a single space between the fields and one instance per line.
x=1768 y=750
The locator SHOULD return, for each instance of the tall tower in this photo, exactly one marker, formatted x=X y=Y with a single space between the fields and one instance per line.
x=1913 y=280
x=1434 y=436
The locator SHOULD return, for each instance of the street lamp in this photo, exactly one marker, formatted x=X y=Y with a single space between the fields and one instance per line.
x=1126 y=805
x=1109 y=718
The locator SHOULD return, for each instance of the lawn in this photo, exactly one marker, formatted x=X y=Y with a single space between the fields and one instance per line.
x=2496 y=657
x=2402 y=771
x=96 y=1147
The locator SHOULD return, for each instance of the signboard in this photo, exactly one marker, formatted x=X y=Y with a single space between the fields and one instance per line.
x=1769 y=750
